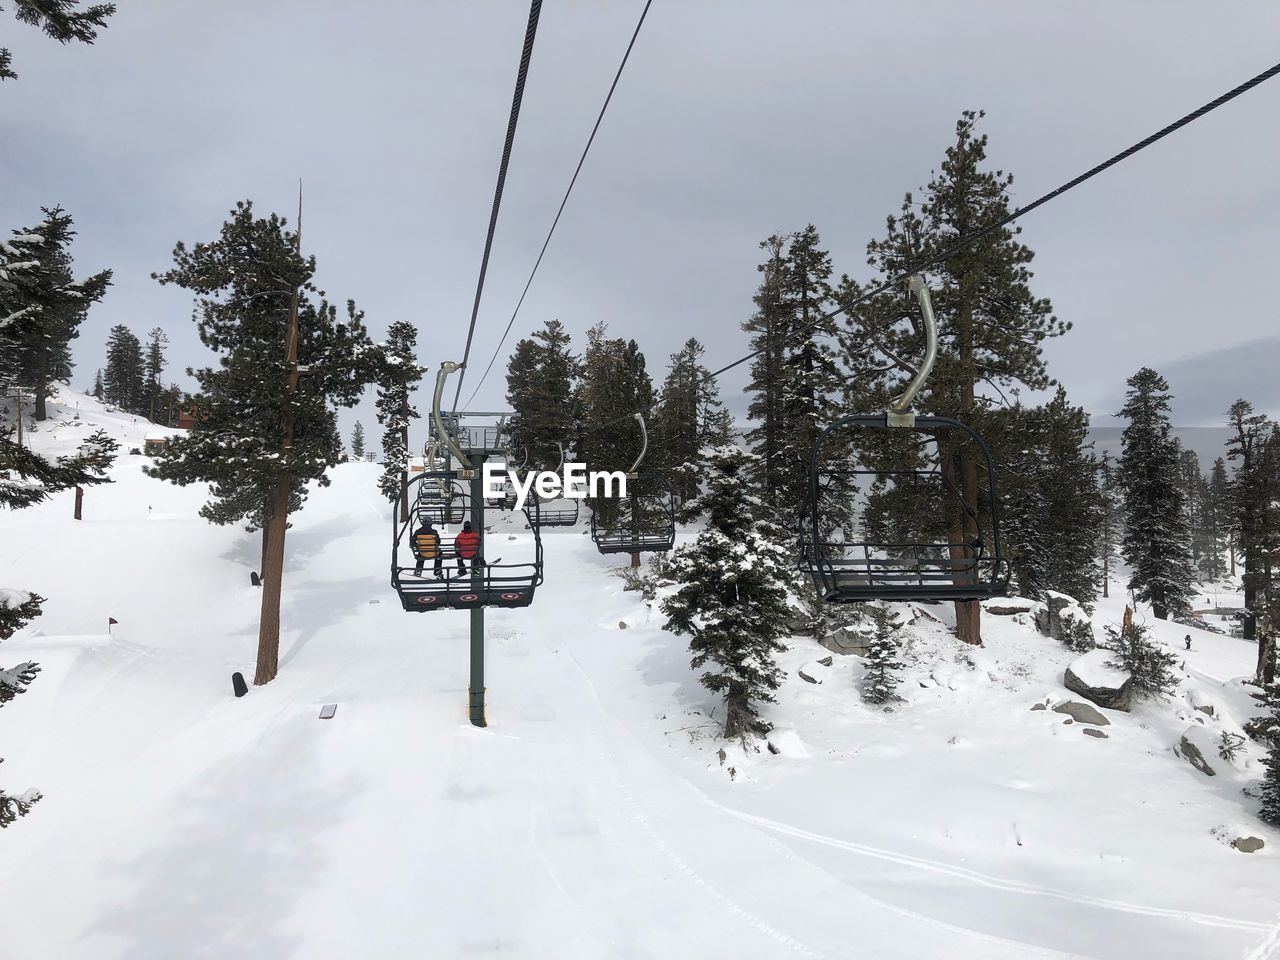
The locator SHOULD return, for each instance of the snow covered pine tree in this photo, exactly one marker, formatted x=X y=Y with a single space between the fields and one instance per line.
x=732 y=599
x=881 y=678
x=1150 y=665
x=357 y=441
x=1157 y=541
x=266 y=423
x=397 y=380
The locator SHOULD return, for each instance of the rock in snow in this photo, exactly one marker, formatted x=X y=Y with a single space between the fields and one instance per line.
x=1093 y=677
x=813 y=672
x=1193 y=754
x=1090 y=732
x=1008 y=606
x=1082 y=713
x=1248 y=844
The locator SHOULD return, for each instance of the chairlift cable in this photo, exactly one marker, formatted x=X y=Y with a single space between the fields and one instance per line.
x=987 y=230
x=531 y=29
x=573 y=180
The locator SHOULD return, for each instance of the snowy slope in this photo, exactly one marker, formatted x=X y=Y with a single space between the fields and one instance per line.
x=593 y=818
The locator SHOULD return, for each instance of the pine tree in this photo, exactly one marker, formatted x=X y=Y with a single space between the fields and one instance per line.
x=689 y=418
x=614 y=387
x=769 y=326
x=1251 y=494
x=1270 y=812
x=397 y=381
x=265 y=416
x=62 y=20
x=123 y=381
x=357 y=441
x=1150 y=665
x=880 y=682
x=1217 y=521
x=45 y=305
x=1156 y=539
x=1112 y=518
x=796 y=381
x=991 y=327
x=732 y=596
x=152 y=368
x=541 y=378
x=97 y=384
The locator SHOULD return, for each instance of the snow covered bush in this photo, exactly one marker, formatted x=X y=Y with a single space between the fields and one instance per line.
x=732 y=594
x=1151 y=666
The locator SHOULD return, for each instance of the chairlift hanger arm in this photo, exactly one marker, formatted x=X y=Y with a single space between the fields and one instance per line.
x=442 y=375
x=644 y=444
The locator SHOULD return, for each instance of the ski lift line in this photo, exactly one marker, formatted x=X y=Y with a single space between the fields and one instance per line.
x=531 y=29
x=554 y=223
x=1017 y=214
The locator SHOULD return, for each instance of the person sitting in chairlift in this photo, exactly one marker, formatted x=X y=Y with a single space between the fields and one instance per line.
x=467 y=544
x=426 y=544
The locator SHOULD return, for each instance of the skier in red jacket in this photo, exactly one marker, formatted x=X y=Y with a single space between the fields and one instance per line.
x=467 y=546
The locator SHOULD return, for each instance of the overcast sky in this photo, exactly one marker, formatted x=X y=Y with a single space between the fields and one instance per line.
x=734 y=120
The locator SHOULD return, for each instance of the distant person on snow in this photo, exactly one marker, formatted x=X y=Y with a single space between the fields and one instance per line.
x=467 y=543
x=426 y=545
x=1188 y=641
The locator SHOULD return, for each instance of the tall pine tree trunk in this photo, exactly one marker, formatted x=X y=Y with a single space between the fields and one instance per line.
x=963 y=525
x=278 y=522
x=42 y=391
x=272 y=580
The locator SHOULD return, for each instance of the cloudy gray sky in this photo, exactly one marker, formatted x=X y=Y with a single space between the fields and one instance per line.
x=734 y=120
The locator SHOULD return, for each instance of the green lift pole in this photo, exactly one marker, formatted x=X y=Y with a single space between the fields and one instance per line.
x=475 y=693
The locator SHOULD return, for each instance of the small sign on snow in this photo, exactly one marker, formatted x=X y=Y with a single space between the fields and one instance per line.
x=328 y=710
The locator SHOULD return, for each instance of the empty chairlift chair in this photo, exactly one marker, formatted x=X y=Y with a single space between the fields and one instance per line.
x=886 y=517
x=644 y=520
x=558 y=511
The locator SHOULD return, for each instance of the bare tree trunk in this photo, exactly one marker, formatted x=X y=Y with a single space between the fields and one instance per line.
x=42 y=391
x=1266 y=668
x=272 y=578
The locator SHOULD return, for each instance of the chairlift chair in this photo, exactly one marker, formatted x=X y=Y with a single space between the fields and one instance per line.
x=557 y=511
x=495 y=584
x=645 y=520
x=851 y=558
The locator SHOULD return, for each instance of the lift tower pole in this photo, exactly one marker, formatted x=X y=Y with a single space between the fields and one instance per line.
x=475 y=693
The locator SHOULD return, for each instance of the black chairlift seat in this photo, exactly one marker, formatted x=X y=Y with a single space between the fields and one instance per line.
x=488 y=582
x=557 y=513
x=440 y=502
x=642 y=522
x=853 y=567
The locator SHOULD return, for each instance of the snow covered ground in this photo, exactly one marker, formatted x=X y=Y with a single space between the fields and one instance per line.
x=593 y=817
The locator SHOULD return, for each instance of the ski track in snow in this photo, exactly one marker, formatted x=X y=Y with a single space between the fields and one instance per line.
x=998 y=883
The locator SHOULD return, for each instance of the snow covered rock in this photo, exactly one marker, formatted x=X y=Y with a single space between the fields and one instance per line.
x=1063 y=619
x=1008 y=606
x=1094 y=678
x=1082 y=713
x=848 y=642
x=813 y=672
x=1193 y=748
x=786 y=743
